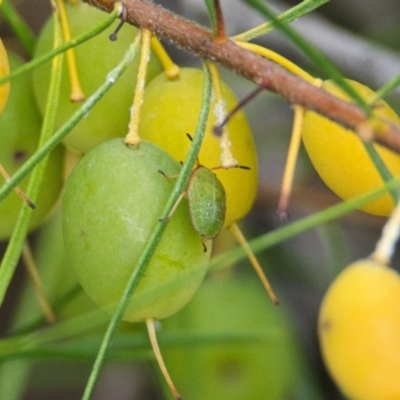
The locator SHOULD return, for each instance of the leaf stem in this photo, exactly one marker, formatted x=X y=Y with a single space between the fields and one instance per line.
x=279 y=235
x=19 y=26
x=381 y=168
x=386 y=88
x=59 y=135
x=313 y=54
x=65 y=46
x=17 y=240
x=286 y=17
x=197 y=40
x=383 y=171
x=155 y=237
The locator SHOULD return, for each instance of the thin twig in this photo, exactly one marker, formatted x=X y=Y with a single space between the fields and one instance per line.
x=198 y=40
x=34 y=277
x=17 y=190
x=238 y=234
x=157 y=354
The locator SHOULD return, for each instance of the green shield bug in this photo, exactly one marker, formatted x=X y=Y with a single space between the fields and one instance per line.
x=207 y=202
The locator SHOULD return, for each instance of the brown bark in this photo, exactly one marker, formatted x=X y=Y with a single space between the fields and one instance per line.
x=198 y=40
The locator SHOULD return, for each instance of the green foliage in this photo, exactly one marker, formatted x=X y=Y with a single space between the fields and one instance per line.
x=228 y=342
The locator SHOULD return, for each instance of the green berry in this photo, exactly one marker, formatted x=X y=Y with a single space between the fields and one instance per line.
x=113 y=200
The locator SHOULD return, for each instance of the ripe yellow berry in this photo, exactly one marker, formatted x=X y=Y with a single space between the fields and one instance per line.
x=4 y=70
x=170 y=111
x=359 y=331
x=339 y=156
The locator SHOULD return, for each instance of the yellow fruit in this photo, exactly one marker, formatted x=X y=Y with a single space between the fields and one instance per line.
x=170 y=111
x=95 y=59
x=359 y=331
x=339 y=156
x=4 y=70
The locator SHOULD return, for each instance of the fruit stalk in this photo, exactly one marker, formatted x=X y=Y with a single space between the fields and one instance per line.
x=59 y=135
x=77 y=95
x=386 y=246
x=16 y=242
x=154 y=239
x=283 y=233
x=157 y=353
x=195 y=39
x=64 y=47
x=132 y=138
x=36 y=282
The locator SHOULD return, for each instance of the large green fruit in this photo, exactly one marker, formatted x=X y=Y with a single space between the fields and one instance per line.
x=95 y=59
x=20 y=126
x=112 y=202
x=235 y=344
x=170 y=111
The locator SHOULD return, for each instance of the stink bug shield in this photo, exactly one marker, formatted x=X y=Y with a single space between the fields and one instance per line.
x=207 y=202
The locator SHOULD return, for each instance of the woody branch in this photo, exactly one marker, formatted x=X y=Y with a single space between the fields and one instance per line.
x=198 y=40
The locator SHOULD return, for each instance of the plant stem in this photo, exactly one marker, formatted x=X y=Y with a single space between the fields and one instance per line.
x=17 y=240
x=386 y=88
x=286 y=232
x=386 y=246
x=286 y=17
x=36 y=282
x=155 y=237
x=220 y=34
x=77 y=93
x=171 y=69
x=195 y=39
x=238 y=234
x=19 y=26
x=133 y=137
x=157 y=353
x=65 y=46
x=59 y=135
